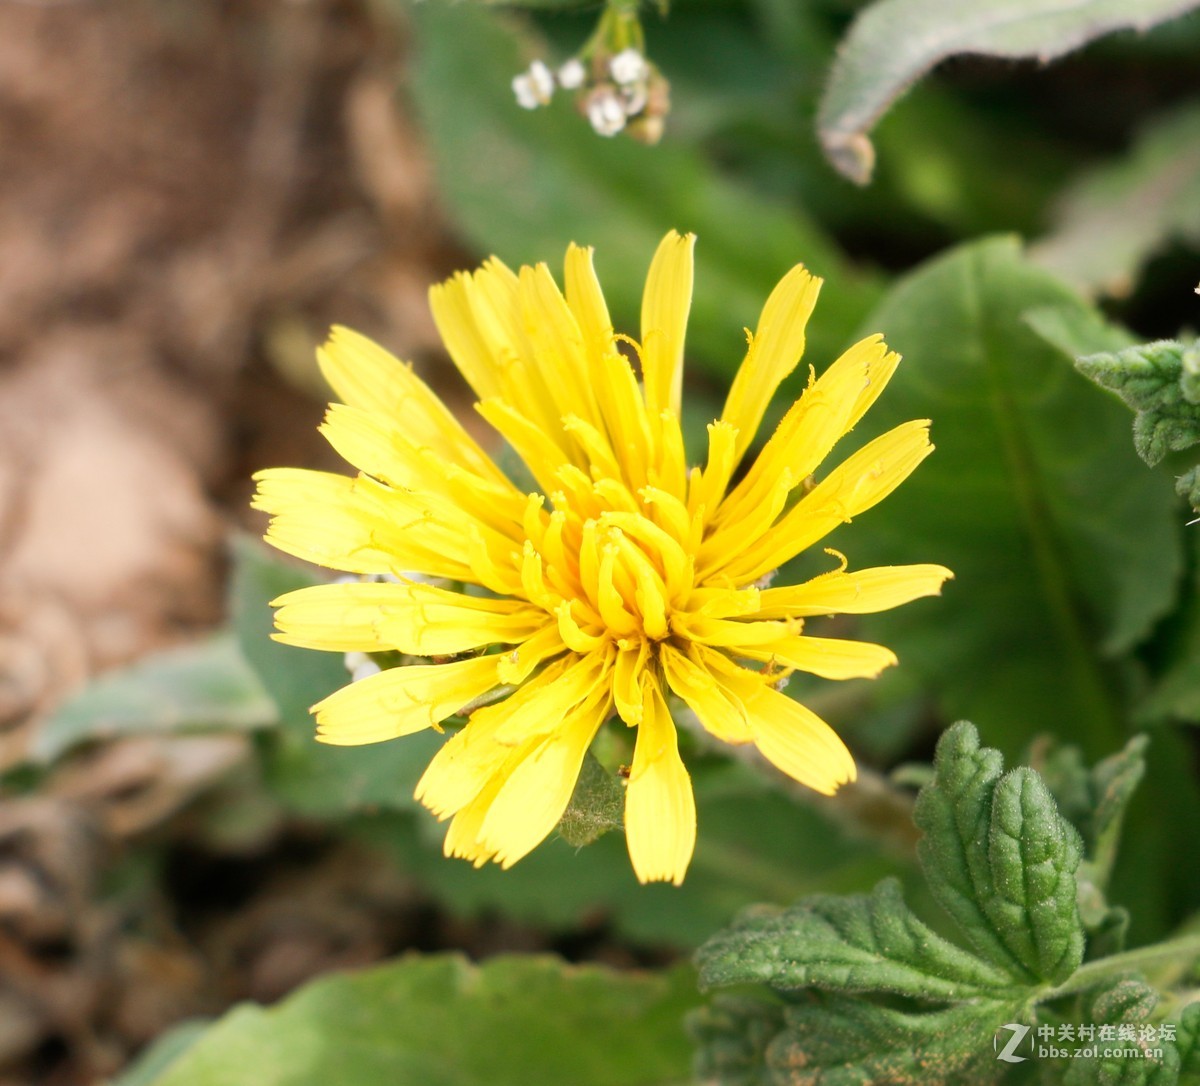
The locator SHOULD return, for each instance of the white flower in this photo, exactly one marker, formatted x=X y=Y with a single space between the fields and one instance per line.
x=360 y=665
x=628 y=66
x=571 y=75
x=534 y=87
x=606 y=113
x=633 y=99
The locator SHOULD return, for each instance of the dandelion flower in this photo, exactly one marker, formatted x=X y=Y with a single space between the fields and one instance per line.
x=626 y=578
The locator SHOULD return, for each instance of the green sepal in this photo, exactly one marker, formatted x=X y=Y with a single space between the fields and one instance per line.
x=597 y=805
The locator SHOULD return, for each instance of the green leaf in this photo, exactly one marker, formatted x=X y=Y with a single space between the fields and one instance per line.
x=162 y=1053
x=1174 y=694
x=1149 y=378
x=893 y=43
x=1076 y=330
x=1114 y=781
x=440 y=1021
x=834 y=1041
x=845 y=1042
x=523 y=184
x=1188 y=1043
x=1095 y=801
x=732 y=1035
x=1188 y=487
x=861 y=943
x=1115 y=217
x=1000 y=859
x=312 y=778
x=862 y=975
x=1082 y=553
x=203 y=687
x=1124 y=1000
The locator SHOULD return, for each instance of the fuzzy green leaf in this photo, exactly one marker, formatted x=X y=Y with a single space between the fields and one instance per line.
x=850 y=944
x=732 y=1035
x=1188 y=487
x=1125 y=1000
x=1001 y=859
x=893 y=43
x=440 y=1021
x=1095 y=801
x=1187 y=1041
x=836 y=1041
x=202 y=687
x=1149 y=378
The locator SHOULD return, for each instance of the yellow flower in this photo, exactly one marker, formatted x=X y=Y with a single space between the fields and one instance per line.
x=626 y=577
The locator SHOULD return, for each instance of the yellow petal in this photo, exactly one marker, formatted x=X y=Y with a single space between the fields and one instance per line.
x=557 y=344
x=797 y=741
x=586 y=300
x=454 y=316
x=826 y=411
x=374 y=445
x=516 y=666
x=660 y=809
x=402 y=700
x=365 y=376
x=665 y=306
x=854 y=486
x=862 y=592
x=538 y=449
x=356 y=524
x=468 y=760
x=829 y=657
x=775 y=349
x=418 y=619
x=532 y=800
x=719 y=709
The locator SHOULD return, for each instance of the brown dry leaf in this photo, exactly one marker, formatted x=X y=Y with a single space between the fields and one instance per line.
x=135 y=784
x=108 y=542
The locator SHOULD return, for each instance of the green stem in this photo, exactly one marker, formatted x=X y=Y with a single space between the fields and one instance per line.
x=1089 y=975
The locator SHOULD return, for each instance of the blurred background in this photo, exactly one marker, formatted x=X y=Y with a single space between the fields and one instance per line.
x=191 y=192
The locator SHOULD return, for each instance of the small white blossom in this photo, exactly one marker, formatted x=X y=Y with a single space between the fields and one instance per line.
x=606 y=113
x=534 y=87
x=628 y=66
x=634 y=99
x=360 y=665
x=571 y=75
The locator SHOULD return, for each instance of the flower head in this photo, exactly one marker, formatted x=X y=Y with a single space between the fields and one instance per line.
x=534 y=87
x=624 y=580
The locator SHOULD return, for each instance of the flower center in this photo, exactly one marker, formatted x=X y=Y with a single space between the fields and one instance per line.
x=613 y=570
